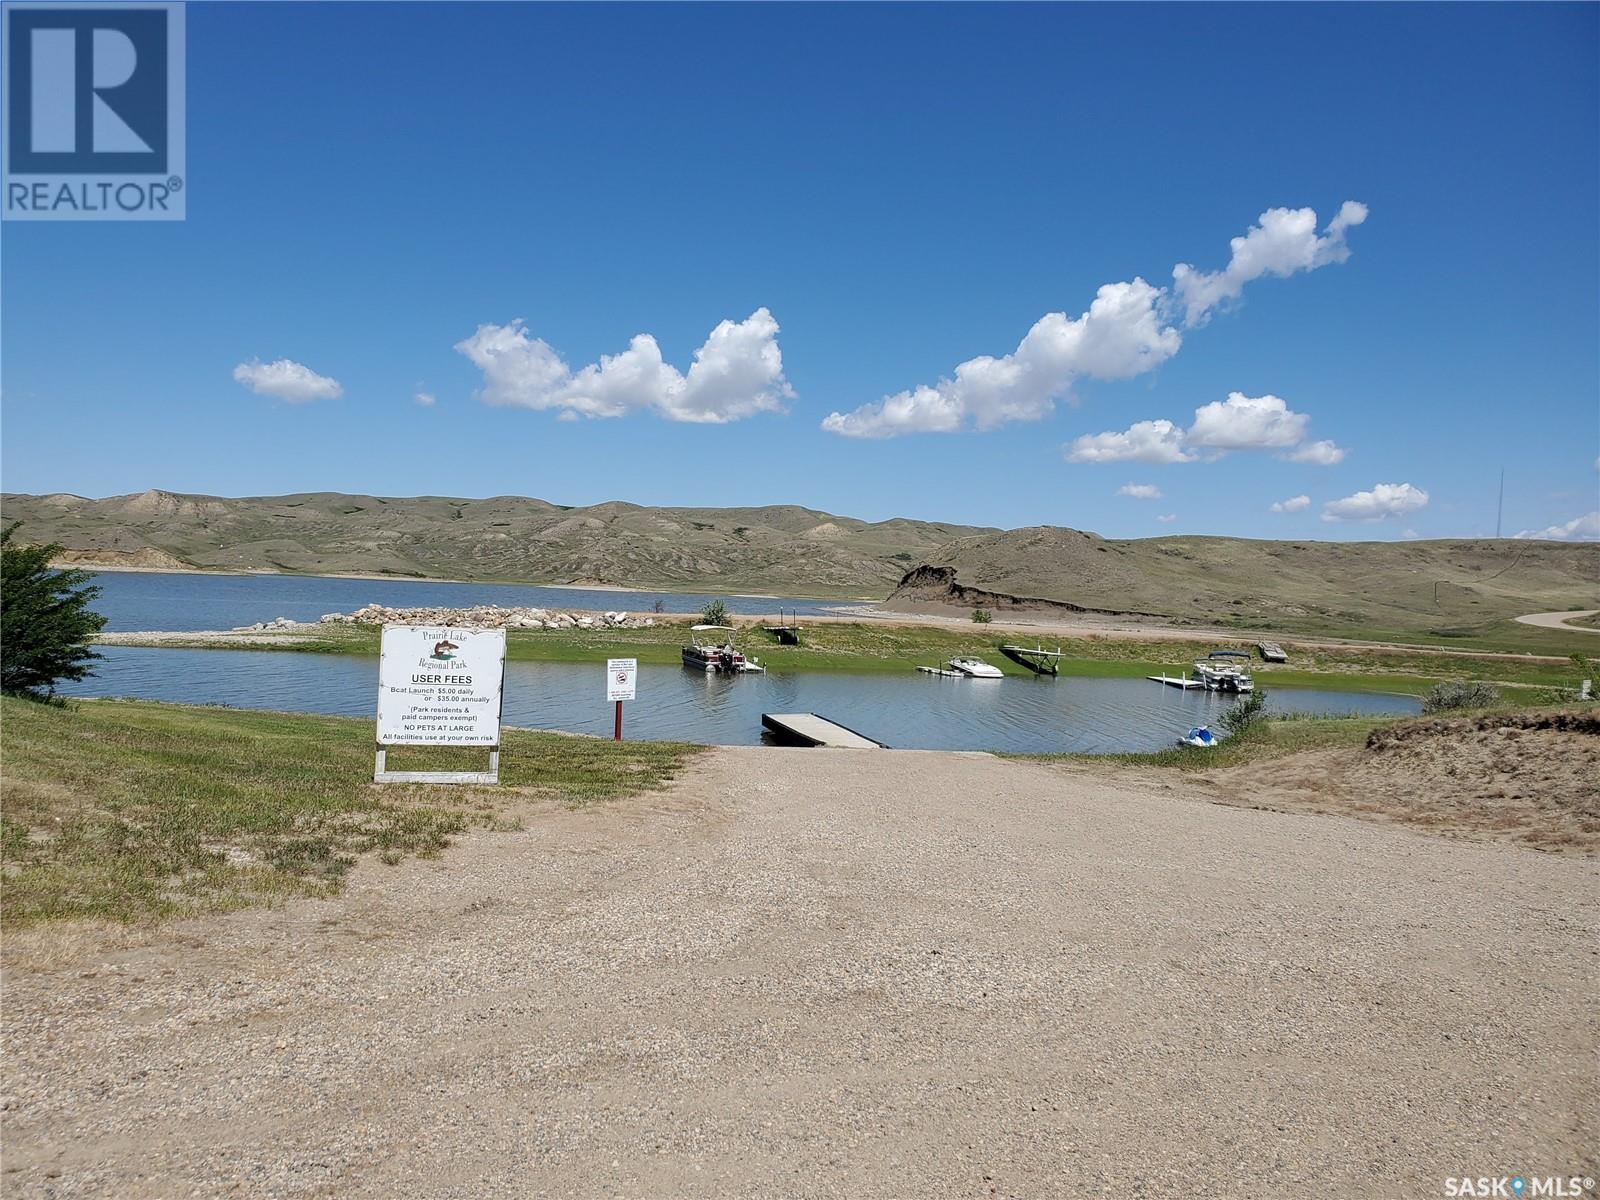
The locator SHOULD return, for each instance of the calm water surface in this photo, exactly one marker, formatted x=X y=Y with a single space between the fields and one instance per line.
x=906 y=710
x=150 y=600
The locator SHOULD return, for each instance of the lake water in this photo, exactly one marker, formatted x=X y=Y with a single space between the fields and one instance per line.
x=904 y=709
x=133 y=600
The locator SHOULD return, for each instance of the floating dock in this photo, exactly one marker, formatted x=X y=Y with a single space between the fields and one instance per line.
x=1037 y=659
x=808 y=729
x=1187 y=685
x=1272 y=652
x=943 y=672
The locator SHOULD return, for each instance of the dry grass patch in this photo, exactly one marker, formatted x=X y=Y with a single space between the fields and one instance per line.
x=124 y=811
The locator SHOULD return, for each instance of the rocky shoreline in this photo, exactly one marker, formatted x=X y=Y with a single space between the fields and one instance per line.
x=481 y=616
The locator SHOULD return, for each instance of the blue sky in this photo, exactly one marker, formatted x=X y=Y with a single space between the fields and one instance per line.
x=877 y=194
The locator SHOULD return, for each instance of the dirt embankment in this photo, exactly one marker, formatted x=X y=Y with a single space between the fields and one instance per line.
x=1528 y=778
x=146 y=558
x=935 y=589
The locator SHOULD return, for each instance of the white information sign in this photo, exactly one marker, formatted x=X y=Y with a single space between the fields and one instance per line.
x=440 y=686
x=620 y=676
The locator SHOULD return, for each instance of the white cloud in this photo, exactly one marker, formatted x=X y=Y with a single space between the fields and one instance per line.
x=737 y=372
x=1238 y=423
x=1167 y=518
x=426 y=399
x=1140 y=491
x=1384 y=500
x=1580 y=529
x=1284 y=241
x=1121 y=335
x=1128 y=330
x=287 y=380
x=1145 y=441
x=1321 y=454
x=1292 y=504
x=1246 y=423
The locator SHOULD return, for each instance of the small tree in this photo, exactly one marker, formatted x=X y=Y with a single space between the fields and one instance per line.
x=45 y=620
x=715 y=613
x=982 y=616
x=1247 y=714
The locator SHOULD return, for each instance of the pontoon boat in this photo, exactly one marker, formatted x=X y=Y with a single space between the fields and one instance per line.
x=708 y=652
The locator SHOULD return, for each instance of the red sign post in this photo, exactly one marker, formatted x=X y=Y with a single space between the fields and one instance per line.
x=620 y=675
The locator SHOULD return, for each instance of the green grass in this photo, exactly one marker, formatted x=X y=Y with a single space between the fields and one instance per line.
x=878 y=646
x=128 y=811
x=1499 y=636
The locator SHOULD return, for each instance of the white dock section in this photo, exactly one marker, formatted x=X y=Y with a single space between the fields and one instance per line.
x=808 y=729
x=1180 y=682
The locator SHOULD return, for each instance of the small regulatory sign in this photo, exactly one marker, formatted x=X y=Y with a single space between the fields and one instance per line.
x=620 y=676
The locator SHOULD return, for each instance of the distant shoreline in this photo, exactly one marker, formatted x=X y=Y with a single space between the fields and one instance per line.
x=250 y=572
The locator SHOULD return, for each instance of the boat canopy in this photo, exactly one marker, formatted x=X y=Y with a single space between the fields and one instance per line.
x=703 y=628
x=1227 y=654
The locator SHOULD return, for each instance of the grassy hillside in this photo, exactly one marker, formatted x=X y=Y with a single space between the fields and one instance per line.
x=781 y=548
x=1437 y=589
x=1453 y=592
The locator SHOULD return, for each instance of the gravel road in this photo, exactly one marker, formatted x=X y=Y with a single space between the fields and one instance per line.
x=838 y=974
x=1558 y=620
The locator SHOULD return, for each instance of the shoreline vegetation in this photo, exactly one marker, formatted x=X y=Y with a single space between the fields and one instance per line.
x=886 y=645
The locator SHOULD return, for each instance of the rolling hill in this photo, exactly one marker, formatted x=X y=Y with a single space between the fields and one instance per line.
x=782 y=548
x=1444 y=588
x=1447 y=587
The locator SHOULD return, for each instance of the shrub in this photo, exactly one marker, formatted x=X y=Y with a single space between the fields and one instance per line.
x=715 y=613
x=982 y=616
x=45 y=620
x=1460 y=693
x=1247 y=714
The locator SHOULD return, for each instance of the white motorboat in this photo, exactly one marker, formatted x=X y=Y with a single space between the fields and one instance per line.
x=1224 y=675
x=975 y=668
x=707 y=651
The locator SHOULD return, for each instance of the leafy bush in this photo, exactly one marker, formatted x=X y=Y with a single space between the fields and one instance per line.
x=982 y=616
x=1460 y=693
x=715 y=613
x=45 y=621
x=1247 y=714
